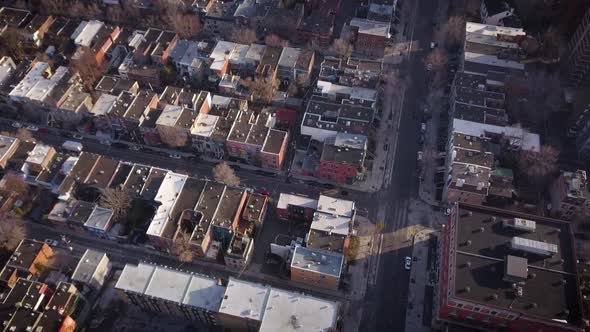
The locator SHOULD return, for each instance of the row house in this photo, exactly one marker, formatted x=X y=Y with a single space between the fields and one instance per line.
x=343 y=157
x=370 y=37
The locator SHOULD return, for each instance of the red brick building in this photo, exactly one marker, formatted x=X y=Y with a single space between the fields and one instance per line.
x=505 y=271
x=342 y=158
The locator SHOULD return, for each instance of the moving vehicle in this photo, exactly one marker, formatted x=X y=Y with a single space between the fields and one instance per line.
x=17 y=125
x=32 y=128
x=419 y=155
x=105 y=142
x=175 y=156
x=72 y=146
x=423 y=127
x=408 y=263
x=135 y=147
x=77 y=136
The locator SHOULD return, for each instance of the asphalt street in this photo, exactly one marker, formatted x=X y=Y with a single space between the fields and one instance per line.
x=386 y=301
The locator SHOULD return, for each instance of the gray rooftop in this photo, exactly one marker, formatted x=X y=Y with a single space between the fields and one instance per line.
x=318 y=261
x=87 y=265
x=244 y=299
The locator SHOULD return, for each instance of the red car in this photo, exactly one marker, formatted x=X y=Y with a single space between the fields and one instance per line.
x=263 y=192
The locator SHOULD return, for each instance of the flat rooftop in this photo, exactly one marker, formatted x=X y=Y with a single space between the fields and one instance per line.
x=290 y=311
x=336 y=206
x=295 y=200
x=551 y=283
x=318 y=261
x=87 y=265
x=244 y=299
x=229 y=207
x=370 y=27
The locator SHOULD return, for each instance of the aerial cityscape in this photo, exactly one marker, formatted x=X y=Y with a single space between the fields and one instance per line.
x=294 y=165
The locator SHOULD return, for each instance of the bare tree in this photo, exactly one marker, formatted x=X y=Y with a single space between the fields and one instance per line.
x=437 y=60
x=25 y=135
x=183 y=248
x=118 y=200
x=184 y=23
x=245 y=36
x=15 y=185
x=537 y=165
x=12 y=232
x=172 y=136
x=261 y=89
x=11 y=42
x=86 y=66
x=454 y=31
x=225 y=174
x=342 y=48
x=275 y=41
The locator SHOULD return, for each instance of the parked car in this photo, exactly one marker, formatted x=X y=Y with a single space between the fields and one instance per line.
x=384 y=147
x=265 y=173
x=119 y=145
x=175 y=156
x=263 y=191
x=419 y=155
x=408 y=263
x=78 y=136
x=17 y=125
x=51 y=242
x=32 y=128
x=105 y=142
x=328 y=185
x=135 y=147
x=433 y=44
x=423 y=127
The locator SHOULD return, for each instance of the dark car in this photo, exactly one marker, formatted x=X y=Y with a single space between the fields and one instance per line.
x=328 y=186
x=260 y=172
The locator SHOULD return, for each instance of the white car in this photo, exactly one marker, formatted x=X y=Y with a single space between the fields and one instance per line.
x=433 y=45
x=51 y=242
x=77 y=136
x=408 y=263
x=105 y=142
x=17 y=125
x=135 y=147
x=419 y=155
x=423 y=127
x=33 y=128
x=429 y=67
x=175 y=156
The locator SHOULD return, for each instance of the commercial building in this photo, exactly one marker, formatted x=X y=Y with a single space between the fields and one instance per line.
x=161 y=290
x=343 y=158
x=243 y=305
x=506 y=271
x=316 y=267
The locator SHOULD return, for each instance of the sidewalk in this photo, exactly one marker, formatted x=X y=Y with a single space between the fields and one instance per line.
x=422 y=282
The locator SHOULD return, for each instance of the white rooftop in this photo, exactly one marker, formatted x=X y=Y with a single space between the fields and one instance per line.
x=289 y=311
x=352 y=141
x=329 y=88
x=35 y=86
x=370 y=27
x=296 y=200
x=492 y=60
x=135 y=278
x=169 y=115
x=84 y=38
x=255 y=52
x=87 y=265
x=103 y=104
x=227 y=50
x=329 y=223
x=487 y=34
x=68 y=165
x=204 y=293
x=166 y=196
x=244 y=299
x=289 y=57
x=7 y=143
x=337 y=206
x=204 y=125
x=7 y=67
x=99 y=218
x=517 y=135
x=38 y=154
x=171 y=285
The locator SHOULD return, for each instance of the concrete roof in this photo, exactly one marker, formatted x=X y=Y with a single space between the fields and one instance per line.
x=337 y=206
x=204 y=292
x=517 y=135
x=289 y=311
x=135 y=278
x=244 y=299
x=99 y=218
x=296 y=200
x=166 y=196
x=38 y=154
x=318 y=261
x=91 y=28
x=329 y=223
x=104 y=104
x=289 y=57
x=369 y=27
x=204 y=125
x=87 y=265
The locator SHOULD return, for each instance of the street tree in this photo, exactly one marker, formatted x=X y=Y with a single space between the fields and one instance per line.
x=173 y=137
x=183 y=248
x=11 y=43
x=15 y=186
x=225 y=174
x=261 y=89
x=275 y=41
x=118 y=200
x=437 y=60
x=86 y=66
x=538 y=165
x=245 y=36
x=25 y=135
x=454 y=31
x=342 y=48
x=12 y=232
x=184 y=23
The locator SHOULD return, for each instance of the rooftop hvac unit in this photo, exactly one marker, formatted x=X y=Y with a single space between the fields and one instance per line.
x=533 y=247
x=520 y=224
